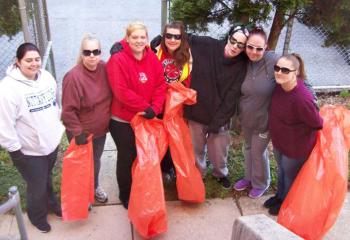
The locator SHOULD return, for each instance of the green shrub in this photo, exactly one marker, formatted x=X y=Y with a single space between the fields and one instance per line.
x=344 y=94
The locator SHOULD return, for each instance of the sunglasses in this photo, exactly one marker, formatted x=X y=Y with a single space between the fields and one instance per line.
x=175 y=36
x=234 y=41
x=283 y=70
x=95 y=52
x=241 y=29
x=258 y=49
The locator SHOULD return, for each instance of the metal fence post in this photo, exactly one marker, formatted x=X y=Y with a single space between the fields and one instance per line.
x=13 y=193
x=164 y=14
x=24 y=20
x=288 y=36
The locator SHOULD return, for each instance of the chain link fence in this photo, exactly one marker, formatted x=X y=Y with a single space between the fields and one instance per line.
x=37 y=24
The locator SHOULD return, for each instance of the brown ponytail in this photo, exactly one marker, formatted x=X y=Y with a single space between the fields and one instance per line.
x=298 y=63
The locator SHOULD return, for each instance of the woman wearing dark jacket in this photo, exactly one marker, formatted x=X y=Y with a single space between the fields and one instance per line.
x=218 y=70
x=137 y=82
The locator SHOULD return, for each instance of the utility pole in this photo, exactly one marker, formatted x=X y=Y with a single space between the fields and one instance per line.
x=24 y=20
x=164 y=14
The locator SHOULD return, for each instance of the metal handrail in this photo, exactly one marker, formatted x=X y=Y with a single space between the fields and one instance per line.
x=14 y=202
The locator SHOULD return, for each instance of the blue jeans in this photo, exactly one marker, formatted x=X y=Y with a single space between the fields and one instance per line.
x=288 y=169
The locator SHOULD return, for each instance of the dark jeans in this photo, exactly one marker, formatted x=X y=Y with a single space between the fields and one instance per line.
x=98 y=146
x=288 y=169
x=37 y=172
x=124 y=138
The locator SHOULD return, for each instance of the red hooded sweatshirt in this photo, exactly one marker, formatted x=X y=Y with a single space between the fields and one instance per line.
x=136 y=84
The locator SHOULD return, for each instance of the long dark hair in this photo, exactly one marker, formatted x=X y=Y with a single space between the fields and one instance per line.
x=182 y=54
x=24 y=48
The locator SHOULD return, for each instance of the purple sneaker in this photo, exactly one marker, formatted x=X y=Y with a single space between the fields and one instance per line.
x=241 y=185
x=256 y=193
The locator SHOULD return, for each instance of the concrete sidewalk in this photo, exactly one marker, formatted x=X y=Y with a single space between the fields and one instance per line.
x=210 y=220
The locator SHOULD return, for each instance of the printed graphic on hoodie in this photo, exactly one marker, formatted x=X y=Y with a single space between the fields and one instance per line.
x=42 y=100
x=143 y=77
x=171 y=72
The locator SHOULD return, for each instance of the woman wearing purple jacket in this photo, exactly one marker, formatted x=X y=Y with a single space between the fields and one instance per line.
x=293 y=124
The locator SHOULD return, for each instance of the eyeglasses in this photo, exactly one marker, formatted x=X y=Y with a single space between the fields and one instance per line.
x=95 y=52
x=258 y=49
x=283 y=70
x=234 y=41
x=175 y=36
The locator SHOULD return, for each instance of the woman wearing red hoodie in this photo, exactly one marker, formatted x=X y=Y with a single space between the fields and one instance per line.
x=137 y=82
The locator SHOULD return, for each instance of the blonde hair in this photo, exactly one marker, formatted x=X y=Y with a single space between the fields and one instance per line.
x=133 y=26
x=87 y=37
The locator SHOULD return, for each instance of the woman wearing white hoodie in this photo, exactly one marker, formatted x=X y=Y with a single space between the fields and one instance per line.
x=30 y=129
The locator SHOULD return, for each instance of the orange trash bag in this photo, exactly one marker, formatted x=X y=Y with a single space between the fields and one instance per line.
x=189 y=183
x=147 y=202
x=318 y=192
x=77 y=185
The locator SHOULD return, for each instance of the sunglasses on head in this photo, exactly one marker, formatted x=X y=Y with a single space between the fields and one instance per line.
x=241 y=29
x=234 y=41
x=95 y=52
x=258 y=49
x=283 y=70
x=175 y=36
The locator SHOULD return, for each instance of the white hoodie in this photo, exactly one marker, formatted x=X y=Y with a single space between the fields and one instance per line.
x=29 y=113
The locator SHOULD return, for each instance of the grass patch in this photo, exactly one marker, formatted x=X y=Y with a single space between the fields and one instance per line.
x=9 y=176
x=235 y=164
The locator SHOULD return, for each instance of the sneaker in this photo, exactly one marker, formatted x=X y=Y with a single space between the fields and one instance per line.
x=272 y=201
x=274 y=210
x=225 y=182
x=256 y=192
x=100 y=195
x=241 y=185
x=43 y=227
x=169 y=177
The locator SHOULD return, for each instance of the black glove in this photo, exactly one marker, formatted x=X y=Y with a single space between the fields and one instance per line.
x=155 y=43
x=16 y=154
x=117 y=47
x=81 y=139
x=149 y=113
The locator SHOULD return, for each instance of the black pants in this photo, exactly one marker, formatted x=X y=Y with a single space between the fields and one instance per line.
x=167 y=165
x=124 y=138
x=37 y=172
x=98 y=146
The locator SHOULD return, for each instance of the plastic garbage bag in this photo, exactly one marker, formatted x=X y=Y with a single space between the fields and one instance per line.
x=147 y=202
x=189 y=181
x=77 y=185
x=317 y=194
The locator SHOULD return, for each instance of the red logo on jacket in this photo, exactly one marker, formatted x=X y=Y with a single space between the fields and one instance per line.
x=142 y=77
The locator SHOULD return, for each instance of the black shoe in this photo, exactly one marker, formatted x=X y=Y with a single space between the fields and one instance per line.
x=225 y=182
x=43 y=227
x=57 y=211
x=90 y=207
x=274 y=210
x=272 y=201
x=125 y=203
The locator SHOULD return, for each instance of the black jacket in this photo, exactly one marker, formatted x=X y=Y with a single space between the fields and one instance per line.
x=217 y=81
